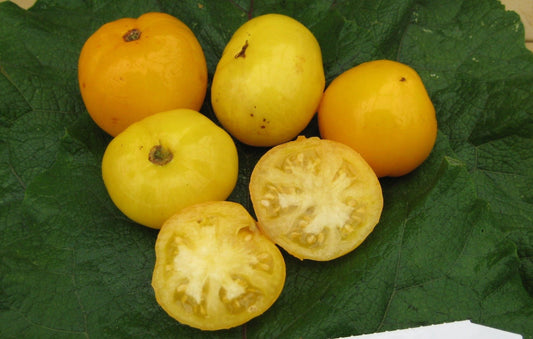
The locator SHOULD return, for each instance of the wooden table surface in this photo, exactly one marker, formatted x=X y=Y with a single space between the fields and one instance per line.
x=524 y=8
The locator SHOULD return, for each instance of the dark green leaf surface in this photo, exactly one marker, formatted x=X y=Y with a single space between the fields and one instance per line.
x=455 y=238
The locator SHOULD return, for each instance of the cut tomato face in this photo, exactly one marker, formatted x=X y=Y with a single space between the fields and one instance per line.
x=318 y=199
x=214 y=268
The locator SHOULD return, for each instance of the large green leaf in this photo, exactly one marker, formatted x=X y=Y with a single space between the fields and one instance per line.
x=455 y=238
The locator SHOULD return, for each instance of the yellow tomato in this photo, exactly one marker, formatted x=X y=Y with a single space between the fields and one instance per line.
x=269 y=81
x=168 y=161
x=131 y=68
x=214 y=269
x=316 y=198
x=382 y=110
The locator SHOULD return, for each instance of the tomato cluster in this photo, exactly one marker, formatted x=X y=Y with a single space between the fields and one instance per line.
x=171 y=168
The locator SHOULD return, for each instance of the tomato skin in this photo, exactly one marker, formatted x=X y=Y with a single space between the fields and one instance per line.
x=382 y=110
x=269 y=81
x=214 y=269
x=122 y=82
x=204 y=165
x=316 y=198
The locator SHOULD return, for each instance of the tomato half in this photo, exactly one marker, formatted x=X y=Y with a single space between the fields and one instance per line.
x=214 y=269
x=168 y=161
x=316 y=198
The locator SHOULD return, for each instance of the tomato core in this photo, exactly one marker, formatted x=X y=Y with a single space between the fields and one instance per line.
x=132 y=35
x=160 y=155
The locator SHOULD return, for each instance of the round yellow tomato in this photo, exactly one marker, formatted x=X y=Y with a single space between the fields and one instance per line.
x=316 y=198
x=382 y=110
x=168 y=161
x=131 y=68
x=269 y=80
x=214 y=269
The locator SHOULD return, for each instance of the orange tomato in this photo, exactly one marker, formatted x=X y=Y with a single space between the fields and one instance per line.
x=131 y=68
x=382 y=110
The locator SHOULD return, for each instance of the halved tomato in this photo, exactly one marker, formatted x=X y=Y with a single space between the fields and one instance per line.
x=214 y=269
x=316 y=198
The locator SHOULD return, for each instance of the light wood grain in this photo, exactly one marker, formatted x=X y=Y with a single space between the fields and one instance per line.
x=524 y=8
x=23 y=3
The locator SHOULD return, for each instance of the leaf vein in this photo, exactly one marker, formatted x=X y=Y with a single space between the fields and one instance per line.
x=248 y=12
x=396 y=274
x=17 y=88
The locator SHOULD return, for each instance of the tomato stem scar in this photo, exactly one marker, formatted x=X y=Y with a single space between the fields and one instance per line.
x=160 y=155
x=132 y=35
x=242 y=51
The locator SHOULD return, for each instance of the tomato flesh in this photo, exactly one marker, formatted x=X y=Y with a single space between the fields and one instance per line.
x=214 y=268
x=318 y=199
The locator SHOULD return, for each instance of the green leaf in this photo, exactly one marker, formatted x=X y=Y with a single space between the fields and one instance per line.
x=455 y=238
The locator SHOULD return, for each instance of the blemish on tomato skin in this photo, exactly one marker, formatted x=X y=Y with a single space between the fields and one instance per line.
x=403 y=79
x=242 y=52
x=132 y=35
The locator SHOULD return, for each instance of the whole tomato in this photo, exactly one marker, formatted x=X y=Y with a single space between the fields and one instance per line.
x=269 y=81
x=381 y=109
x=131 y=68
x=168 y=161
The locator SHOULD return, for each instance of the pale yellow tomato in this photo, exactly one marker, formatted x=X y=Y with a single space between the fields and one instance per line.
x=269 y=81
x=166 y=162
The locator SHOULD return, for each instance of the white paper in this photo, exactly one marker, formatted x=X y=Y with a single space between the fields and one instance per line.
x=455 y=330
